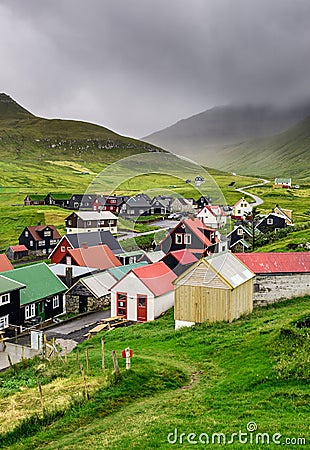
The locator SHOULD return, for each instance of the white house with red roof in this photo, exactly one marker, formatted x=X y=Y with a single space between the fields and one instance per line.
x=144 y=293
x=213 y=216
x=279 y=276
x=241 y=209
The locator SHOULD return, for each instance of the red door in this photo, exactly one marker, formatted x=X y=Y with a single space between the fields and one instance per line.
x=121 y=304
x=141 y=308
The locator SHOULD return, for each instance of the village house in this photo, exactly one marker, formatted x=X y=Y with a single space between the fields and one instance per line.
x=202 y=201
x=88 y=221
x=286 y=213
x=34 y=199
x=139 y=205
x=279 y=276
x=213 y=216
x=111 y=203
x=180 y=205
x=144 y=293
x=81 y=201
x=92 y=293
x=39 y=240
x=191 y=234
x=161 y=205
x=5 y=263
x=241 y=209
x=285 y=183
x=78 y=240
x=130 y=257
x=41 y=299
x=272 y=222
x=100 y=257
x=240 y=238
x=216 y=288
x=15 y=252
x=9 y=302
x=57 y=199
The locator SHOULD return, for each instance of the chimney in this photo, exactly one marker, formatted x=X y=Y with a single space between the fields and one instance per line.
x=84 y=245
x=69 y=277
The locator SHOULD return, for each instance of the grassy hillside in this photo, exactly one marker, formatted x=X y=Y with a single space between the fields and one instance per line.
x=213 y=378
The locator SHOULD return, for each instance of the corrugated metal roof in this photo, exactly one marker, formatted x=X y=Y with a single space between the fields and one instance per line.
x=184 y=256
x=286 y=262
x=40 y=282
x=60 y=270
x=154 y=256
x=95 y=215
x=157 y=277
x=220 y=270
x=18 y=248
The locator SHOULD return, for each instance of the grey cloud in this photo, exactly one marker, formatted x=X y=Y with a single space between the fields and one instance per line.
x=137 y=66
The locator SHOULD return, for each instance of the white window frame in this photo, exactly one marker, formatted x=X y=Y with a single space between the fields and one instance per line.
x=5 y=299
x=56 y=301
x=269 y=221
x=240 y=232
x=47 y=233
x=187 y=239
x=178 y=238
x=4 y=322
x=31 y=243
x=30 y=311
x=26 y=233
x=41 y=243
x=62 y=248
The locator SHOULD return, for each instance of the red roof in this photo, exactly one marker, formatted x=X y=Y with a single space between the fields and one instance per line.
x=99 y=256
x=197 y=227
x=19 y=248
x=157 y=277
x=34 y=231
x=289 y=262
x=184 y=256
x=5 y=263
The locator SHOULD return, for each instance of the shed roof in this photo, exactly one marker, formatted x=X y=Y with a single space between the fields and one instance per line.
x=286 y=262
x=99 y=256
x=221 y=270
x=18 y=248
x=157 y=277
x=5 y=263
x=40 y=282
x=119 y=272
x=184 y=256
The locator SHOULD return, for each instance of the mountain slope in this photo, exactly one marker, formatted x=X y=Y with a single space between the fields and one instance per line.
x=210 y=136
x=24 y=136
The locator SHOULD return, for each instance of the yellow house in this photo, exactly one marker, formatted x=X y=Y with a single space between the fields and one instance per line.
x=216 y=288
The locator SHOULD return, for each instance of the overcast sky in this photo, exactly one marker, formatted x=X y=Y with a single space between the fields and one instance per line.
x=136 y=66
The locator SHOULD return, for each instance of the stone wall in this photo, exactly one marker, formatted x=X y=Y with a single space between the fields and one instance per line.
x=93 y=304
x=274 y=288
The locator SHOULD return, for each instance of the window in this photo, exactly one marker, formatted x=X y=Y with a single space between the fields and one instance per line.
x=239 y=211
x=69 y=222
x=240 y=232
x=269 y=221
x=4 y=299
x=4 y=322
x=53 y=241
x=55 y=301
x=47 y=233
x=26 y=233
x=89 y=222
x=31 y=243
x=41 y=243
x=30 y=311
x=62 y=249
x=178 y=238
x=187 y=239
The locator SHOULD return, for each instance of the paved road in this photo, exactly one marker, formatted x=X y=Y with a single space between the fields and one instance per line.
x=257 y=200
x=76 y=329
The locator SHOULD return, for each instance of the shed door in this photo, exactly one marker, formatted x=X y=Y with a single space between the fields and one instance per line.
x=82 y=303
x=141 y=308
x=121 y=304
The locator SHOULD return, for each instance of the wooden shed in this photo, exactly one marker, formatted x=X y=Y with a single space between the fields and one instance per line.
x=216 y=288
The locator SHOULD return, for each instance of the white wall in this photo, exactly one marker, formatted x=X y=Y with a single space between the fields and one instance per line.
x=163 y=303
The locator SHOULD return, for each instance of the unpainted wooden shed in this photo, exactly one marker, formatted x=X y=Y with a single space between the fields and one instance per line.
x=219 y=287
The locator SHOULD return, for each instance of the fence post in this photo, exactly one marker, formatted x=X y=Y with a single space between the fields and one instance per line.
x=115 y=363
x=102 y=354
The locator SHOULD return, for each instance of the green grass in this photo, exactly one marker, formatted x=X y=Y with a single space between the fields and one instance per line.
x=231 y=374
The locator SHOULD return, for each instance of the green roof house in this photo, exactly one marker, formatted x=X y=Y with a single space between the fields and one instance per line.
x=9 y=301
x=42 y=298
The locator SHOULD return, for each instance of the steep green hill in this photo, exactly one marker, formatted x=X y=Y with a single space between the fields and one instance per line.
x=24 y=137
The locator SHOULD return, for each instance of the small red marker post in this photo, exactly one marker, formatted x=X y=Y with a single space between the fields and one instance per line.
x=127 y=353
